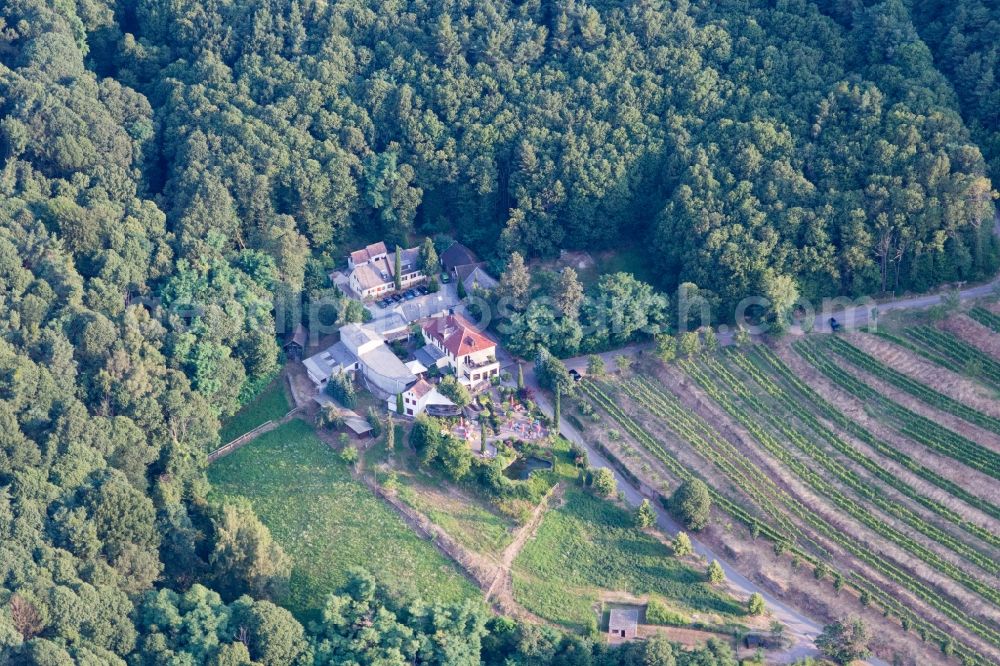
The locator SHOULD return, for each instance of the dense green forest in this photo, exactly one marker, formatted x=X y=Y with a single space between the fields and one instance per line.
x=963 y=35
x=170 y=166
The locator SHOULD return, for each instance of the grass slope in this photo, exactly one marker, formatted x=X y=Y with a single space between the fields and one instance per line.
x=587 y=545
x=328 y=522
x=465 y=517
x=270 y=404
x=467 y=521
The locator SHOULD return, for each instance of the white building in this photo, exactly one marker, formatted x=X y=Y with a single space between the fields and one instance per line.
x=360 y=349
x=334 y=360
x=419 y=397
x=371 y=271
x=471 y=354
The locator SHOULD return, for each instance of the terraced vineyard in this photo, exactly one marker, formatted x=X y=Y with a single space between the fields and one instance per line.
x=931 y=557
x=751 y=412
x=923 y=392
x=986 y=318
x=949 y=351
x=762 y=360
x=918 y=428
x=600 y=397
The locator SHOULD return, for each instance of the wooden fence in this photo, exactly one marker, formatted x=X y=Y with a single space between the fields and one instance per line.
x=266 y=426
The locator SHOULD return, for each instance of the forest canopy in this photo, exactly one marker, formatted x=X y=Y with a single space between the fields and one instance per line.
x=731 y=139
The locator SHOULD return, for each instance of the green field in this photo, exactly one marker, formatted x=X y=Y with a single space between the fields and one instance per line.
x=467 y=518
x=587 y=545
x=328 y=522
x=270 y=404
x=464 y=518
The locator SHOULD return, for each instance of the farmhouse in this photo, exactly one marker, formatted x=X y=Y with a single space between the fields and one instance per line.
x=371 y=271
x=362 y=350
x=419 y=398
x=472 y=355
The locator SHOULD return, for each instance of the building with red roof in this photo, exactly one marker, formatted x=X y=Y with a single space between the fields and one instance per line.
x=468 y=351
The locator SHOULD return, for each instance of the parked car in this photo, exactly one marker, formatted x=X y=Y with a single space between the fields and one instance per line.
x=422 y=290
x=381 y=304
x=386 y=302
x=834 y=325
x=575 y=374
x=410 y=295
x=396 y=298
x=445 y=279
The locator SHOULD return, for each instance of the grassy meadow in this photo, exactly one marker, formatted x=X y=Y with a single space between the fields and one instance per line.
x=586 y=547
x=271 y=404
x=328 y=522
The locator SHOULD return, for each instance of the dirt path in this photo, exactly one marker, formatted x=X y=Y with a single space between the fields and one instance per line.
x=502 y=586
x=486 y=572
x=299 y=384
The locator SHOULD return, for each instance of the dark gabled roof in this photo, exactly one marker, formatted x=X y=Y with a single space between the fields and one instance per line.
x=428 y=355
x=298 y=336
x=475 y=275
x=457 y=255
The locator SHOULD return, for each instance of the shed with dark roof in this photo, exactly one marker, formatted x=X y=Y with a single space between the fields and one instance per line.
x=295 y=343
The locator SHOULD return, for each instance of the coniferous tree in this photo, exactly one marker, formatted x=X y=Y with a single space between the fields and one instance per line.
x=398 y=269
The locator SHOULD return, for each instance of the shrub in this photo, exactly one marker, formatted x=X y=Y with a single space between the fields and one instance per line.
x=658 y=613
x=450 y=388
x=645 y=516
x=845 y=640
x=329 y=417
x=341 y=389
x=716 y=576
x=375 y=422
x=595 y=366
x=710 y=342
x=349 y=455
x=666 y=347
x=682 y=545
x=690 y=344
x=624 y=363
x=604 y=482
